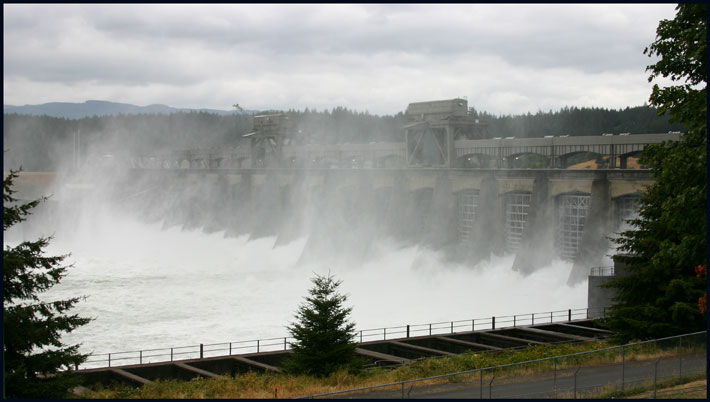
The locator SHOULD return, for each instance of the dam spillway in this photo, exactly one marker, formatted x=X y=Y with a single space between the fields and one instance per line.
x=539 y=214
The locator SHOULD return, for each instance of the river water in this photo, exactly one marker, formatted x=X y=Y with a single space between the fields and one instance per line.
x=147 y=286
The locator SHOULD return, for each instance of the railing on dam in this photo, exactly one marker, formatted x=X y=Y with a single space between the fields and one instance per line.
x=602 y=271
x=375 y=334
x=482 y=153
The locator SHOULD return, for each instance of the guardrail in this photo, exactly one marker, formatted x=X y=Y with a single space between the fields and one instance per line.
x=560 y=376
x=201 y=351
x=602 y=271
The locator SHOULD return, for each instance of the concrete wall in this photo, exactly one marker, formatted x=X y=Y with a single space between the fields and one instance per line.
x=599 y=297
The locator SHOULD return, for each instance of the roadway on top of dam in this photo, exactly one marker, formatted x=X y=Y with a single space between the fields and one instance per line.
x=496 y=152
x=631 y=173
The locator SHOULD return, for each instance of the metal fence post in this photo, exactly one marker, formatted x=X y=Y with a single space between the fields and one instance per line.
x=230 y=348
x=473 y=325
x=680 y=357
x=384 y=332
x=361 y=336
x=284 y=343
x=452 y=327
x=569 y=315
x=575 y=382
x=171 y=354
x=109 y=359
x=550 y=316
x=532 y=319
x=493 y=322
x=140 y=357
x=407 y=330
x=257 y=346
x=202 y=351
x=514 y=321
x=490 y=388
x=554 y=378
x=655 y=376
x=430 y=329
x=623 y=365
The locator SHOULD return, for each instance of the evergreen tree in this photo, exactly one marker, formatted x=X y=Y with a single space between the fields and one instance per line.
x=324 y=336
x=659 y=295
x=35 y=360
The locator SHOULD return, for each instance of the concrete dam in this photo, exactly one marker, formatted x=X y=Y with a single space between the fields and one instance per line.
x=538 y=214
x=445 y=186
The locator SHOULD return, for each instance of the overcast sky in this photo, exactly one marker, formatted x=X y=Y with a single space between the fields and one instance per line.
x=506 y=59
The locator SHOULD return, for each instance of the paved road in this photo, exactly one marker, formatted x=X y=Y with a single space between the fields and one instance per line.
x=548 y=385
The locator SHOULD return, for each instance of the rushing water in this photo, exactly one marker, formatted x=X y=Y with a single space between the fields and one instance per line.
x=149 y=287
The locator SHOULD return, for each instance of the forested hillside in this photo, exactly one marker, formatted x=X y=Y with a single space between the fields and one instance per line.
x=579 y=121
x=42 y=143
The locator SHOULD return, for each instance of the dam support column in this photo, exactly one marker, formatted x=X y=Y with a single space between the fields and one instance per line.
x=295 y=203
x=399 y=207
x=537 y=243
x=218 y=198
x=488 y=235
x=595 y=244
x=443 y=216
x=266 y=206
x=240 y=205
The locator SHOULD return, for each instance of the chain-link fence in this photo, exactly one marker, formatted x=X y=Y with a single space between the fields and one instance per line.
x=650 y=366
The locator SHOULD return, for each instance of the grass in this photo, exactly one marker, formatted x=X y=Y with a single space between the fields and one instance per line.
x=688 y=386
x=691 y=390
x=268 y=385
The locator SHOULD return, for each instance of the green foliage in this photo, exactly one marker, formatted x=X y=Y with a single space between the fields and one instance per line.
x=324 y=336
x=575 y=121
x=32 y=350
x=659 y=296
x=477 y=360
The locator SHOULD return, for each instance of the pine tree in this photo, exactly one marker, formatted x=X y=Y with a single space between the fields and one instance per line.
x=35 y=360
x=324 y=336
x=659 y=295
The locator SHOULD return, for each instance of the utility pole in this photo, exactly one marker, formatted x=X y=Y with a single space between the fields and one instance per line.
x=236 y=129
x=77 y=143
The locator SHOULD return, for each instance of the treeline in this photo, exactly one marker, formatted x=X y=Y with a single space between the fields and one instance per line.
x=575 y=121
x=341 y=125
x=42 y=143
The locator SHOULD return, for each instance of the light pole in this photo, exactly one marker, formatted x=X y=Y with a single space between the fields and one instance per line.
x=77 y=143
x=236 y=129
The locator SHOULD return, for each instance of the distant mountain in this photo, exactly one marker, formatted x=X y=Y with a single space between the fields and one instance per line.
x=100 y=108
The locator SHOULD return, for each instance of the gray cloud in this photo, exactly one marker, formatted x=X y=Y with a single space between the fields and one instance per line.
x=505 y=58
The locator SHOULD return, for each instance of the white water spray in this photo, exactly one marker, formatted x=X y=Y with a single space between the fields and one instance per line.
x=153 y=288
